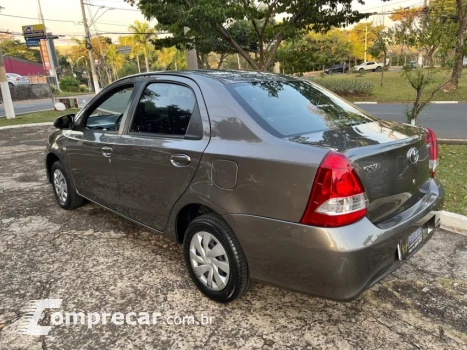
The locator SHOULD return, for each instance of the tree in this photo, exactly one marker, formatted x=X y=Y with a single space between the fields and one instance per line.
x=315 y=51
x=169 y=58
x=142 y=34
x=461 y=6
x=419 y=79
x=357 y=38
x=216 y=17
x=425 y=29
x=380 y=48
x=15 y=48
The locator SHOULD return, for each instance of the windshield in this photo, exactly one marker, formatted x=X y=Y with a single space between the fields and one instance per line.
x=295 y=107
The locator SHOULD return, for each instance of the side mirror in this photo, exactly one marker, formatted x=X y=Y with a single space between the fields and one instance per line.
x=65 y=121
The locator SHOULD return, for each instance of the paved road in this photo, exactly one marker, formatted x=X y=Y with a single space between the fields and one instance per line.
x=39 y=105
x=97 y=262
x=447 y=120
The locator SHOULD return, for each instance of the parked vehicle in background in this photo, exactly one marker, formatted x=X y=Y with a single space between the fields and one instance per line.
x=464 y=62
x=259 y=176
x=369 y=66
x=16 y=79
x=337 y=68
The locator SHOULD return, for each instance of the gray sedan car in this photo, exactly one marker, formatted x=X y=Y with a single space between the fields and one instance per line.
x=260 y=177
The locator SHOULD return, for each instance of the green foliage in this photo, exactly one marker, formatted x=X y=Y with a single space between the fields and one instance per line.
x=54 y=89
x=15 y=48
x=69 y=84
x=128 y=68
x=346 y=87
x=216 y=20
x=314 y=51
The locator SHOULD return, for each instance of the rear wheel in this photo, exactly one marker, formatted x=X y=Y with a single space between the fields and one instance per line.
x=11 y=85
x=215 y=260
x=64 y=190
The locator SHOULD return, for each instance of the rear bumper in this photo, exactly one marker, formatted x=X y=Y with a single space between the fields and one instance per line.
x=335 y=263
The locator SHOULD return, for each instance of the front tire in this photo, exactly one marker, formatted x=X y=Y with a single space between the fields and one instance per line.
x=215 y=260
x=65 y=192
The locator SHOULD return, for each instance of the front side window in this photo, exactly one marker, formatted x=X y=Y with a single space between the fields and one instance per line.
x=165 y=109
x=108 y=113
x=295 y=107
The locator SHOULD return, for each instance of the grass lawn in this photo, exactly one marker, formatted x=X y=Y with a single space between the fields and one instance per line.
x=37 y=117
x=397 y=89
x=452 y=172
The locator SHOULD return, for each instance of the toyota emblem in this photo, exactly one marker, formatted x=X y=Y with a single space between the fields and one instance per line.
x=412 y=155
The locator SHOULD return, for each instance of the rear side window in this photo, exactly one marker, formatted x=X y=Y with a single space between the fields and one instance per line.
x=288 y=108
x=164 y=109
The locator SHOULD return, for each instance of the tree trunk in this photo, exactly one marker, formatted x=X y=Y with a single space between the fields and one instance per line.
x=146 y=59
x=221 y=60
x=457 y=70
x=382 y=71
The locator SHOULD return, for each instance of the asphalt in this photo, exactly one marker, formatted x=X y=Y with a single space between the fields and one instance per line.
x=95 y=261
x=447 y=120
x=30 y=106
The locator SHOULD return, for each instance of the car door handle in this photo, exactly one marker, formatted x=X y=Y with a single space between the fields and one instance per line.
x=107 y=151
x=180 y=160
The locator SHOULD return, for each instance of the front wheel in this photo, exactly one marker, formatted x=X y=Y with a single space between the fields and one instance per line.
x=65 y=193
x=361 y=70
x=215 y=260
x=379 y=69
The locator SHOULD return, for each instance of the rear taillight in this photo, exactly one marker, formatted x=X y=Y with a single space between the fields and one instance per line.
x=18 y=79
x=337 y=197
x=432 y=145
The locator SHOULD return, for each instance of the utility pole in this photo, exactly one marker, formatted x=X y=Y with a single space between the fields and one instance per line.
x=97 y=88
x=52 y=70
x=10 y=111
x=191 y=60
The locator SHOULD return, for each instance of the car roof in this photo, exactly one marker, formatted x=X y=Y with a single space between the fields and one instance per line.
x=223 y=76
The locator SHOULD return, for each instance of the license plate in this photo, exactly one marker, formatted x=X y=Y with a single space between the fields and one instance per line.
x=407 y=246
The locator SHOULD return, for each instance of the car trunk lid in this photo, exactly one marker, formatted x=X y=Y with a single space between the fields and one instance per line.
x=391 y=160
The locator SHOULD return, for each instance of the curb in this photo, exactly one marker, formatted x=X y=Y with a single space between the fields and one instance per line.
x=18 y=126
x=453 y=222
x=452 y=141
x=365 y=103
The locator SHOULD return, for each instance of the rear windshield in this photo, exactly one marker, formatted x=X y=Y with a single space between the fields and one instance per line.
x=295 y=107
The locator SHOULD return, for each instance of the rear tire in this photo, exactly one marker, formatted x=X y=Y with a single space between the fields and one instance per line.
x=215 y=260
x=65 y=192
x=10 y=85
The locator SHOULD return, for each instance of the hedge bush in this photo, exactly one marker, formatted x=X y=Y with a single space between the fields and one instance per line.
x=347 y=87
x=69 y=84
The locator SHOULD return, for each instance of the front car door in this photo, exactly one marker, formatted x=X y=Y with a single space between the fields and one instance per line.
x=160 y=149
x=90 y=145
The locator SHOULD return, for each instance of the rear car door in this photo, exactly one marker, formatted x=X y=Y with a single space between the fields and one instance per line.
x=159 y=152
x=90 y=145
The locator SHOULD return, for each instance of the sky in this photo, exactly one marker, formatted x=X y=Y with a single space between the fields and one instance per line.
x=63 y=17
